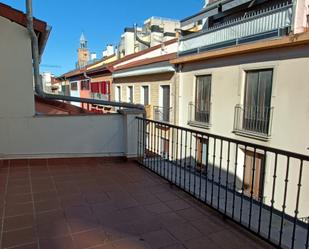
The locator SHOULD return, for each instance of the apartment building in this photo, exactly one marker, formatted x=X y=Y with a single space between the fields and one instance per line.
x=241 y=82
x=149 y=82
x=155 y=31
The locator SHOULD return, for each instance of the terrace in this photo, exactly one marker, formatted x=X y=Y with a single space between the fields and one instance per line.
x=104 y=203
x=270 y=22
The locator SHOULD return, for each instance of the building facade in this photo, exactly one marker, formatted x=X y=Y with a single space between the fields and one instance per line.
x=238 y=77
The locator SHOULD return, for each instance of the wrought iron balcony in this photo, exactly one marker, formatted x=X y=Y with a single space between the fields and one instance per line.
x=261 y=188
x=199 y=116
x=162 y=114
x=253 y=120
x=266 y=23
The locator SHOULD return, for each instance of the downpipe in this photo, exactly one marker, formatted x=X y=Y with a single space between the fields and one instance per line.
x=38 y=87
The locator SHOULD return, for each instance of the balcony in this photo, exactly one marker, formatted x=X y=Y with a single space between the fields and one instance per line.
x=162 y=114
x=253 y=121
x=199 y=117
x=267 y=23
x=257 y=187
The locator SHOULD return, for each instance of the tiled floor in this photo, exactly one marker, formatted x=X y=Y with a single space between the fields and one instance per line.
x=105 y=205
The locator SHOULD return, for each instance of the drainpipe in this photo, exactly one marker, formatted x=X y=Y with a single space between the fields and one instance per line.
x=38 y=81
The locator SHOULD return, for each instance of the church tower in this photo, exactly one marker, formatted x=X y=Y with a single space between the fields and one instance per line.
x=83 y=52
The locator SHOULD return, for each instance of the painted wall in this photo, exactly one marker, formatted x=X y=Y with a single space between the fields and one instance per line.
x=61 y=136
x=171 y=48
x=290 y=99
x=24 y=135
x=16 y=94
x=154 y=82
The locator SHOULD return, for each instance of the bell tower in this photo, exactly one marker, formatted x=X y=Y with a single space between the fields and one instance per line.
x=83 y=52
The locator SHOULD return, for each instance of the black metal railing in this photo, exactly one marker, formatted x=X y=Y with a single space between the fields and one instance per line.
x=261 y=188
x=253 y=120
x=162 y=114
x=199 y=115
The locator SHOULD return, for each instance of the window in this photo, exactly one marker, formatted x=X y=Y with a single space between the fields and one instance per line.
x=257 y=102
x=95 y=87
x=145 y=95
x=202 y=99
x=130 y=94
x=166 y=108
x=74 y=86
x=118 y=93
x=84 y=85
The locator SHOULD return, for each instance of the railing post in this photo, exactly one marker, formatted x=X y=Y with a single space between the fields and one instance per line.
x=130 y=131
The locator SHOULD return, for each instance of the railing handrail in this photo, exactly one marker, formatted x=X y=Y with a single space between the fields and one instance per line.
x=233 y=140
x=227 y=24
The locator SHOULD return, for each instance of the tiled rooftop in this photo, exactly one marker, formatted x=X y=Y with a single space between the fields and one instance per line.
x=93 y=203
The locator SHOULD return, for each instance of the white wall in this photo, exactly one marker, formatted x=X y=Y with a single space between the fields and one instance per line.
x=61 y=136
x=171 y=48
x=24 y=135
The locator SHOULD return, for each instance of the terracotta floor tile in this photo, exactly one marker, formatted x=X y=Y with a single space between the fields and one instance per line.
x=57 y=243
x=184 y=232
x=21 y=189
x=51 y=230
x=72 y=201
x=131 y=244
x=50 y=217
x=117 y=232
x=18 y=238
x=28 y=246
x=89 y=239
x=202 y=243
x=18 y=199
x=94 y=198
x=80 y=225
x=47 y=205
x=158 y=239
x=79 y=212
x=147 y=225
x=108 y=246
x=166 y=196
x=190 y=214
x=208 y=226
x=175 y=246
x=18 y=222
x=145 y=199
x=171 y=218
x=18 y=209
x=177 y=205
x=45 y=195
x=157 y=208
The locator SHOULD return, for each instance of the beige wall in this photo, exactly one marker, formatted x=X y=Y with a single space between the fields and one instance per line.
x=290 y=99
x=15 y=71
x=153 y=81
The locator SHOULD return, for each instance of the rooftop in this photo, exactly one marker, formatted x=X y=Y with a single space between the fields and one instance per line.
x=104 y=203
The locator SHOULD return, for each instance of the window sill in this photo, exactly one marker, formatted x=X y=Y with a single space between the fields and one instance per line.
x=258 y=136
x=199 y=124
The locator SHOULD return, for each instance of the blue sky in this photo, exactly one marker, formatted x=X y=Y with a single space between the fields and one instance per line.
x=102 y=22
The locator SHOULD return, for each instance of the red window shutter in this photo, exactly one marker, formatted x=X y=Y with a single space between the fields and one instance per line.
x=95 y=87
x=103 y=87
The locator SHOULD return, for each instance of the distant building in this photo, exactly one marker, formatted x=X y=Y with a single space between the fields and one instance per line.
x=154 y=31
x=83 y=52
x=50 y=83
